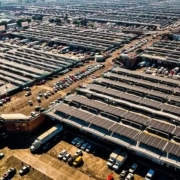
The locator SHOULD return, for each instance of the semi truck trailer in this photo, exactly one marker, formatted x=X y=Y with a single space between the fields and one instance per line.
x=112 y=157
x=120 y=160
x=43 y=138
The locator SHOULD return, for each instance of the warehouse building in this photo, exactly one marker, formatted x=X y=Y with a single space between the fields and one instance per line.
x=136 y=115
x=19 y=123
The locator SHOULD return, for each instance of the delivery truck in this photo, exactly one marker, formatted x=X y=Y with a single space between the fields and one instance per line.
x=43 y=138
x=112 y=157
x=120 y=160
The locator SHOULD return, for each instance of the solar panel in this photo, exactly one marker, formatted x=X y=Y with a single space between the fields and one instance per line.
x=151 y=140
x=150 y=103
x=125 y=131
x=98 y=105
x=173 y=148
x=171 y=109
x=177 y=131
x=140 y=82
x=131 y=88
x=137 y=118
x=140 y=75
x=162 y=126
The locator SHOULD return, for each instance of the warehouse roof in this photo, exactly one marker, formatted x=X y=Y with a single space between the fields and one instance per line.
x=14 y=117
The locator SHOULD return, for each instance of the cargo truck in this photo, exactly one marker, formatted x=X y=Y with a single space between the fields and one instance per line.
x=42 y=139
x=113 y=157
x=120 y=160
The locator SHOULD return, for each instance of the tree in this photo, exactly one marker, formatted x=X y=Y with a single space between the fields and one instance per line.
x=57 y=21
x=19 y=22
x=40 y=17
x=28 y=20
x=68 y=21
x=3 y=23
x=51 y=20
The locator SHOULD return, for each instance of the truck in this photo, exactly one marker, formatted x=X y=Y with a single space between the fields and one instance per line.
x=150 y=174
x=112 y=157
x=120 y=160
x=43 y=138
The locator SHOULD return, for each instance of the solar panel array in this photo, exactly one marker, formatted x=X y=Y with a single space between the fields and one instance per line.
x=99 y=106
x=137 y=118
x=173 y=148
x=134 y=134
x=144 y=83
x=160 y=80
x=162 y=126
x=173 y=98
x=177 y=131
x=171 y=109
x=125 y=131
x=114 y=93
x=98 y=121
x=131 y=88
x=151 y=140
x=125 y=96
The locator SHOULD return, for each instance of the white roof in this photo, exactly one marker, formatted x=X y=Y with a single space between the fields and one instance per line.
x=14 y=116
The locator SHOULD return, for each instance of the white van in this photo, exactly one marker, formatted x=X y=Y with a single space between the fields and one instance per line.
x=150 y=174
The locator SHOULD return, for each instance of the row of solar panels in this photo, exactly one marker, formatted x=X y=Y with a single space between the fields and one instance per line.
x=66 y=113
x=127 y=115
x=89 y=33
x=138 y=99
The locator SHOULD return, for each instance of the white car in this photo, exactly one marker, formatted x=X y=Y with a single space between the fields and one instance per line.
x=66 y=157
x=1 y=155
x=79 y=152
x=133 y=168
x=129 y=177
x=62 y=154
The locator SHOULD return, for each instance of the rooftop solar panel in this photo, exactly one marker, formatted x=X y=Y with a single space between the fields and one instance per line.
x=171 y=109
x=151 y=140
x=173 y=148
x=125 y=131
x=162 y=126
x=137 y=118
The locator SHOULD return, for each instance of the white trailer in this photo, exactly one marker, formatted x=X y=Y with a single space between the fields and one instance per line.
x=120 y=160
x=45 y=137
x=113 y=157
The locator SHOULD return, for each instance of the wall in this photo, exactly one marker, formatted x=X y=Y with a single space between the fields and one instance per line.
x=24 y=126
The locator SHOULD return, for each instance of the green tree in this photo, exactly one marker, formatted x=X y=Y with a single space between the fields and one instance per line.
x=28 y=20
x=51 y=20
x=57 y=21
x=4 y=23
x=19 y=22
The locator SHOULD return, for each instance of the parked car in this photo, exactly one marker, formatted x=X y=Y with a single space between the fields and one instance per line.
x=84 y=146
x=62 y=154
x=66 y=157
x=77 y=161
x=129 y=177
x=79 y=143
x=24 y=170
x=89 y=148
x=79 y=152
x=27 y=89
x=30 y=103
x=28 y=93
x=1 y=155
x=9 y=174
x=75 y=140
x=133 y=168
x=38 y=99
x=37 y=108
x=123 y=173
x=150 y=174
